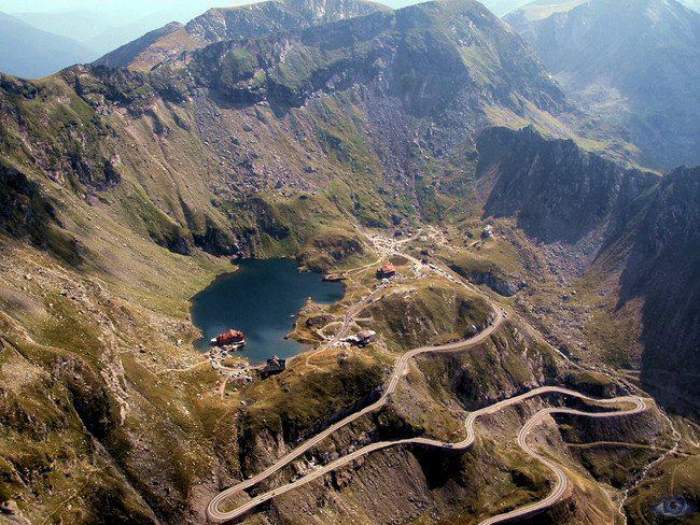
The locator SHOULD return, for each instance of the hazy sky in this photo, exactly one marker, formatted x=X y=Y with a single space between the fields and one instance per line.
x=131 y=8
x=126 y=11
x=122 y=8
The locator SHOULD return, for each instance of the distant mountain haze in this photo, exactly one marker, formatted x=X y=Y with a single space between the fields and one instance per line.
x=503 y=7
x=102 y=31
x=125 y=10
x=32 y=53
x=634 y=64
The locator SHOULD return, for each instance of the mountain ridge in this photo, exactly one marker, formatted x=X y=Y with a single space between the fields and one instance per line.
x=234 y=23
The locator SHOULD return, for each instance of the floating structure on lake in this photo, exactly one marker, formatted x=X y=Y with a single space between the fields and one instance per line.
x=234 y=338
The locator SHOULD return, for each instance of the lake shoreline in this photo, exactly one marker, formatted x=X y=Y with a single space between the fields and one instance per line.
x=263 y=298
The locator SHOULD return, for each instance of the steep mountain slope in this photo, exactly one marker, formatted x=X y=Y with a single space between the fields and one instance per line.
x=632 y=63
x=621 y=245
x=384 y=98
x=147 y=48
x=32 y=53
x=556 y=191
x=401 y=90
x=236 y=23
x=664 y=268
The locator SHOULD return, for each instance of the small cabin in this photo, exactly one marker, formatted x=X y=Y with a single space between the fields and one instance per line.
x=366 y=337
x=275 y=365
x=387 y=271
x=362 y=339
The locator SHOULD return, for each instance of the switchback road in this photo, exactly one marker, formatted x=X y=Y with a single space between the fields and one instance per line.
x=561 y=484
x=215 y=514
x=398 y=372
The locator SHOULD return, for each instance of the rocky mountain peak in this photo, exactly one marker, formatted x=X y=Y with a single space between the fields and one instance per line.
x=233 y=23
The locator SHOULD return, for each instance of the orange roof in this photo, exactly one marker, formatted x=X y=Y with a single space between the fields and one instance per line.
x=230 y=335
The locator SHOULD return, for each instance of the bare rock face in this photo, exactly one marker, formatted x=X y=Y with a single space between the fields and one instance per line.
x=237 y=23
x=663 y=267
x=556 y=191
x=618 y=221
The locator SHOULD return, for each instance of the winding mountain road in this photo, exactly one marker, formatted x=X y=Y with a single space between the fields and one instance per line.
x=560 y=487
x=398 y=372
x=562 y=482
x=216 y=515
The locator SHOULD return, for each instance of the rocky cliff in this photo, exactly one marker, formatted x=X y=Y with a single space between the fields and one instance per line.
x=631 y=232
x=663 y=268
x=556 y=191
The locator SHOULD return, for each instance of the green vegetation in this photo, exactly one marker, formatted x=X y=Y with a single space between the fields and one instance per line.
x=430 y=312
x=484 y=373
x=68 y=330
x=238 y=64
x=294 y=403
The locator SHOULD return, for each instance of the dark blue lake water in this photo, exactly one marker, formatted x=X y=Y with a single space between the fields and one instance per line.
x=262 y=298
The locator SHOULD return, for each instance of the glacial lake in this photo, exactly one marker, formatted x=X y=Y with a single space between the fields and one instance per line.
x=262 y=298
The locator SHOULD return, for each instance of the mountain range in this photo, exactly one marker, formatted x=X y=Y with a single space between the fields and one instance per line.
x=235 y=23
x=399 y=99
x=309 y=129
x=633 y=64
x=29 y=52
